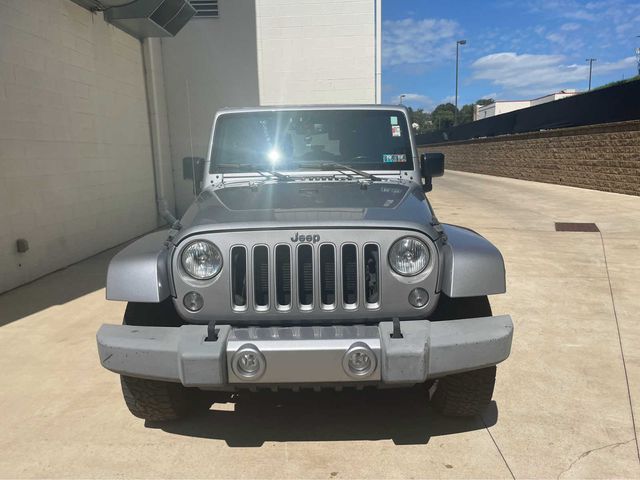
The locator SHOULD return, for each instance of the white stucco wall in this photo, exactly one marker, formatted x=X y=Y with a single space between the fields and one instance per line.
x=76 y=172
x=312 y=51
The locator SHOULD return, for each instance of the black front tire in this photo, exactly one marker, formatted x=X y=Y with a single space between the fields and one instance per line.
x=463 y=394
x=156 y=400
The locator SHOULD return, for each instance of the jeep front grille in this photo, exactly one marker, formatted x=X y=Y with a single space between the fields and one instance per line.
x=305 y=277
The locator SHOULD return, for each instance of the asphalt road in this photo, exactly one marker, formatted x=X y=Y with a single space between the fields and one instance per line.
x=562 y=406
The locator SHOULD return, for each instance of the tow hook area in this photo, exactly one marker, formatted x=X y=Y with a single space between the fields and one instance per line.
x=212 y=332
x=397 y=333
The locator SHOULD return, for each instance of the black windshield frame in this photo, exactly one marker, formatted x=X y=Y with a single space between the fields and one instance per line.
x=366 y=139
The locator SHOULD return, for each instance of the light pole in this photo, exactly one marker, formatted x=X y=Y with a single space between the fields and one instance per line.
x=638 y=56
x=401 y=97
x=458 y=43
x=590 y=60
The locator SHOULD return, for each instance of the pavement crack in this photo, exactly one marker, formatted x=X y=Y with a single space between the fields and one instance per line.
x=497 y=447
x=588 y=452
x=624 y=363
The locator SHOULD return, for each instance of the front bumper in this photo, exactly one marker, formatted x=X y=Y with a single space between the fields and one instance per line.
x=306 y=355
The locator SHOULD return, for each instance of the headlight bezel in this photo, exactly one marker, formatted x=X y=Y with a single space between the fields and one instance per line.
x=427 y=251
x=189 y=273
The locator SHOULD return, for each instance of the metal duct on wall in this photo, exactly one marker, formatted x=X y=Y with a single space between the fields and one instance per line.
x=144 y=18
x=100 y=5
x=151 y=18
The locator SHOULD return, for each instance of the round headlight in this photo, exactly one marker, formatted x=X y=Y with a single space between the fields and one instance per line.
x=409 y=256
x=202 y=260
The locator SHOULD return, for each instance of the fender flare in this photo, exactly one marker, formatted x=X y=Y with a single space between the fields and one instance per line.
x=472 y=266
x=139 y=272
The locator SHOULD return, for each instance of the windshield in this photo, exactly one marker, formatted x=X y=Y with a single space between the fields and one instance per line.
x=291 y=140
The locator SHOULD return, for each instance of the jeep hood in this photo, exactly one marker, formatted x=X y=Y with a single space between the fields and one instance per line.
x=307 y=204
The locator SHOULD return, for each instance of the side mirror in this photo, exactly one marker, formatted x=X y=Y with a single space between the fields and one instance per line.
x=193 y=169
x=432 y=165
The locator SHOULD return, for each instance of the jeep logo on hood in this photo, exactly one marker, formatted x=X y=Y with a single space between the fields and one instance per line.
x=300 y=237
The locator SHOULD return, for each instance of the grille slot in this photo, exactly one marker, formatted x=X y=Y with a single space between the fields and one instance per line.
x=350 y=276
x=371 y=275
x=327 y=276
x=305 y=276
x=283 y=276
x=239 y=277
x=261 y=276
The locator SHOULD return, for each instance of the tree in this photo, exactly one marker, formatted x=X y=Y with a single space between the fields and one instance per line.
x=465 y=115
x=485 y=101
x=443 y=115
x=421 y=118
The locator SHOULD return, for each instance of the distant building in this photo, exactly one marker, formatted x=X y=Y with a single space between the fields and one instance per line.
x=506 y=106
x=498 y=108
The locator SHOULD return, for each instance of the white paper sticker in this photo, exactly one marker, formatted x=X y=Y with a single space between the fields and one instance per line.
x=394 y=158
x=395 y=131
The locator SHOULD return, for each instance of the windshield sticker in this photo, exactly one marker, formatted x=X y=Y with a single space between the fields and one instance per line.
x=395 y=131
x=394 y=158
x=393 y=120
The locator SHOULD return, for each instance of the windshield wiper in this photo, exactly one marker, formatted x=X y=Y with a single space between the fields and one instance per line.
x=338 y=166
x=248 y=167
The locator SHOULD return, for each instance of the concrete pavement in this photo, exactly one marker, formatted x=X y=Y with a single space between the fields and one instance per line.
x=562 y=402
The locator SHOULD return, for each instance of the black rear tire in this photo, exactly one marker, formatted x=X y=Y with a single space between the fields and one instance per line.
x=463 y=394
x=156 y=400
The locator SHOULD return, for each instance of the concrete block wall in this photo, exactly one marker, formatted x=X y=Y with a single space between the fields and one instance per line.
x=76 y=173
x=600 y=157
x=312 y=51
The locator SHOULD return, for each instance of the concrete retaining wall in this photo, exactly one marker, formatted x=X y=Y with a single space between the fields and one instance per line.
x=599 y=157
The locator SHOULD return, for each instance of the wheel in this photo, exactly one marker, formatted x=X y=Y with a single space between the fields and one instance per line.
x=463 y=394
x=156 y=400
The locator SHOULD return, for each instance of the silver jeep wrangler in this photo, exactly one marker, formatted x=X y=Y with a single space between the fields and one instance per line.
x=310 y=259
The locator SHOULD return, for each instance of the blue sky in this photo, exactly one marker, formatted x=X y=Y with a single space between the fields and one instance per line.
x=516 y=49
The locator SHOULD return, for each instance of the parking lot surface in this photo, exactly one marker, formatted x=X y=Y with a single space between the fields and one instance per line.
x=564 y=400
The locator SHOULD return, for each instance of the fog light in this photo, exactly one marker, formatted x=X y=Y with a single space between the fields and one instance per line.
x=418 y=297
x=248 y=363
x=193 y=301
x=359 y=361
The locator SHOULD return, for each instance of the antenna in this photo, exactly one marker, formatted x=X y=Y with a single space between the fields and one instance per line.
x=193 y=160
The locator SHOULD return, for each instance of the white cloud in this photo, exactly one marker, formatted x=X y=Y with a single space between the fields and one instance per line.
x=528 y=74
x=570 y=27
x=556 y=37
x=414 y=100
x=571 y=9
x=411 y=41
x=611 y=16
x=624 y=29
